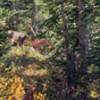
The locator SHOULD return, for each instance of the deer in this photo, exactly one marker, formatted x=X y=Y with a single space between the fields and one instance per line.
x=16 y=37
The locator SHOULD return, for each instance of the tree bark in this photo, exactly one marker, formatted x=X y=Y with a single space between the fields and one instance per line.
x=83 y=37
x=14 y=20
x=34 y=16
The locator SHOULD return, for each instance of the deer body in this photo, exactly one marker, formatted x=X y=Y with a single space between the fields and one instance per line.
x=38 y=43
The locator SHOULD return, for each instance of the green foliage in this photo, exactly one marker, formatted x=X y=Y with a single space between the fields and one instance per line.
x=3 y=37
x=39 y=66
x=93 y=69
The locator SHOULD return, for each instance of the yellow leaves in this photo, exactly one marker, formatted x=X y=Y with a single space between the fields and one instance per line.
x=2 y=98
x=18 y=51
x=39 y=96
x=11 y=98
x=36 y=54
x=94 y=94
x=3 y=84
x=2 y=24
x=35 y=72
x=27 y=51
x=16 y=89
x=95 y=89
x=12 y=87
x=92 y=69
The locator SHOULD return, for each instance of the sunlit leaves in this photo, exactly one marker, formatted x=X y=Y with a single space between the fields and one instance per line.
x=11 y=87
x=94 y=94
x=39 y=73
x=39 y=96
x=94 y=89
x=17 y=88
x=93 y=69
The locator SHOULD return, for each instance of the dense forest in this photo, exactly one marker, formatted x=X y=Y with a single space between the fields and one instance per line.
x=49 y=50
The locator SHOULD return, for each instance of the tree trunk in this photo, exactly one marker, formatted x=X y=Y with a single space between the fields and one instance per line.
x=83 y=37
x=34 y=16
x=14 y=20
x=70 y=62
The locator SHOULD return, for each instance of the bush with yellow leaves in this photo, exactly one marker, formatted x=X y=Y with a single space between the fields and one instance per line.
x=16 y=89
x=3 y=86
x=28 y=52
x=94 y=94
x=95 y=89
x=39 y=96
